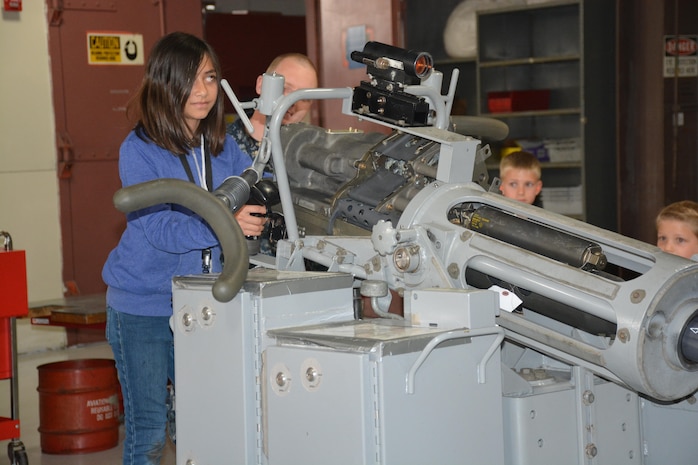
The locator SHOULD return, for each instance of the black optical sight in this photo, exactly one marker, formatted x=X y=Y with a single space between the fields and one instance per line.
x=391 y=69
x=394 y=64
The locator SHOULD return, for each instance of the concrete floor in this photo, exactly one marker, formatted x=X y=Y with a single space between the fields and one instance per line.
x=29 y=409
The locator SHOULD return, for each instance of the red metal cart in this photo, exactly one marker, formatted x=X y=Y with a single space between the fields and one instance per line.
x=13 y=303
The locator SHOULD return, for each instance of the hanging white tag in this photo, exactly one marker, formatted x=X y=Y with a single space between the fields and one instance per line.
x=508 y=301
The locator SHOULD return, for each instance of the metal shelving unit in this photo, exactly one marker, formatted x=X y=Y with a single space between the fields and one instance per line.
x=545 y=47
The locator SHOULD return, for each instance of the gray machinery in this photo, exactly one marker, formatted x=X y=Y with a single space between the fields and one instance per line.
x=503 y=333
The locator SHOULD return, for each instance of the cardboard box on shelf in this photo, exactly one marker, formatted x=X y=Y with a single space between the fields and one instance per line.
x=563 y=200
x=564 y=150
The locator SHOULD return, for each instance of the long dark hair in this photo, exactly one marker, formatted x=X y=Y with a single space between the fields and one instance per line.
x=159 y=103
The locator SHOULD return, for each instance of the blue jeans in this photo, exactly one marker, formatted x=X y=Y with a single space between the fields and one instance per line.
x=143 y=349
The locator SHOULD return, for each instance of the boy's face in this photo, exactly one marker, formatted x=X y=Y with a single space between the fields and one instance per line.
x=676 y=237
x=520 y=184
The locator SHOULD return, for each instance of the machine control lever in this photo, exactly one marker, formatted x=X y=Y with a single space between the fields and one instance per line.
x=216 y=211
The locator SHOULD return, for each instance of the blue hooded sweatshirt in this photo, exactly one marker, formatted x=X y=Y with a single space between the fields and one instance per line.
x=166 y=240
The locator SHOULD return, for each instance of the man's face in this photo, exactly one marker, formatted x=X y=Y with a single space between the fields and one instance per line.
x=296 y=76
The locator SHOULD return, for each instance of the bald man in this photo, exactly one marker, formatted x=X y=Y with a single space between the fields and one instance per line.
x=299 y=73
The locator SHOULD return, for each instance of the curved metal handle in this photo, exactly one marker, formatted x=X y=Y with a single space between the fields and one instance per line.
x=456 y=334
x=212 y=209
x=7 y=241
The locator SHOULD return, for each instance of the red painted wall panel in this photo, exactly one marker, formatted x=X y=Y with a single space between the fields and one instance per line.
x=90 y=111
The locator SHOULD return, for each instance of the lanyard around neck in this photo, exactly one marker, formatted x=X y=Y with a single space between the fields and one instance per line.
x=207 y=167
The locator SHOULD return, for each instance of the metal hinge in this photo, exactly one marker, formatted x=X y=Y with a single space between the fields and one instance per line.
x=65 y=155
x=7 y=241
x=55 y=13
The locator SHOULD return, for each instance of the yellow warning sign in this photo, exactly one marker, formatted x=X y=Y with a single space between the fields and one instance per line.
x=114 y=48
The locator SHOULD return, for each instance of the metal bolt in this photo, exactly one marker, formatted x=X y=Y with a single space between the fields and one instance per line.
x=206 y=314
x=591 y=450
x=376 y=262
x=311 y=374
x=281 y=379
x=453 y=270
x=624 y=335
x=637 y=296
x=588 y=397
x=187 y=320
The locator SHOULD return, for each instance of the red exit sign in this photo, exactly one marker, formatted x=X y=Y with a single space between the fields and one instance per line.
x=12 y=5
x=681 y=56
x=681 y=46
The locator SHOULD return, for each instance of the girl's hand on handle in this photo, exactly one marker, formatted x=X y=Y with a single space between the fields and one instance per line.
x=251 y=219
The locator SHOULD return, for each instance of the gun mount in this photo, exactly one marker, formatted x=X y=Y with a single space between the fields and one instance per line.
x=506 y=333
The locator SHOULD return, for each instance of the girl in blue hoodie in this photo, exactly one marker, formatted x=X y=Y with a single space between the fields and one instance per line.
x=180 y=134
